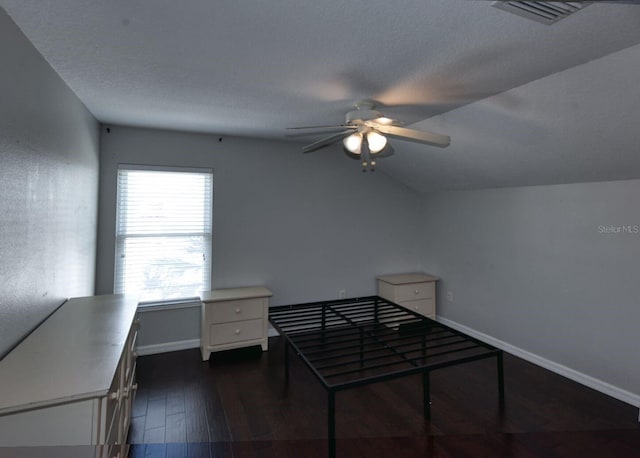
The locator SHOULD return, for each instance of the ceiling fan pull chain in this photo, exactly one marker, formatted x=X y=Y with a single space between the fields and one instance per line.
x=365 y=153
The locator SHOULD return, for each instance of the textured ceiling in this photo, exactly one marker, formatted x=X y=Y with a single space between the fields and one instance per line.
x=254 y=69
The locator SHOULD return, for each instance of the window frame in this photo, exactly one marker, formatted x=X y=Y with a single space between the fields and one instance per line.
x=208 y=235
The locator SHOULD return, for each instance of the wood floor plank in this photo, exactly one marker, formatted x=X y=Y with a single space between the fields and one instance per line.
x=222 y=450
x=216 y=411
x=175 y=400
x=200 y=450
x=195 y=414
x=156 y=413
x=176 y=428
x=155 y=436
x=177 y=450
x=136 y=430
x=155 y=451
x=139 y=407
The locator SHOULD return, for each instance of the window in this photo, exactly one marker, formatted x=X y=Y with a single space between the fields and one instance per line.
x=163 y=232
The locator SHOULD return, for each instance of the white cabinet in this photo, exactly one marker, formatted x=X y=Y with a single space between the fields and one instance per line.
x=416 y=292
x=72 y=380
x=233 y=318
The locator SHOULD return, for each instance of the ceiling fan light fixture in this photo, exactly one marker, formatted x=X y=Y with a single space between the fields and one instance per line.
x=353 y=142
x=376 y=141
x=384 y=120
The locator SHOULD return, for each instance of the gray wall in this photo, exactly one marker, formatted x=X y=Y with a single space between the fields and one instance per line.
x=48 y=174
x=305 y=226
x=544 y=269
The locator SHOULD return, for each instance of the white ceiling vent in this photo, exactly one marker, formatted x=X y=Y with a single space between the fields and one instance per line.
x=544 y=12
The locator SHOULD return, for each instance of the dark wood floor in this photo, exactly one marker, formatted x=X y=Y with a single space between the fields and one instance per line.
x=238 y=405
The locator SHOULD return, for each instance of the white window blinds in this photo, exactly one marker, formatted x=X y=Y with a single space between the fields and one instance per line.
x=163 y=233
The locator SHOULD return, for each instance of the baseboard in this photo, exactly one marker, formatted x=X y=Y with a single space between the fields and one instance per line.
x=592 y=382
x=167 y=347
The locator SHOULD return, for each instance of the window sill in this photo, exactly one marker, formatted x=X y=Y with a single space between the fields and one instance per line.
x=190 y=302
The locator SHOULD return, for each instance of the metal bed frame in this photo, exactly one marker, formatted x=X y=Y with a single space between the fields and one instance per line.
x=354 y=342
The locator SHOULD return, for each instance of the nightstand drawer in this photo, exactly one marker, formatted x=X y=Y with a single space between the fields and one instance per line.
x=426 y=307
x=246 y=309
x=415 y=291
x=235 y=332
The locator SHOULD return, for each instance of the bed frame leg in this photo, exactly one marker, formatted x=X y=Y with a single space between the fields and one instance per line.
x=323 y=334
x=426 y=395
x=500 y=379
x=332 y=423
x=361 y=348
x=286 y=361
x=376 y=320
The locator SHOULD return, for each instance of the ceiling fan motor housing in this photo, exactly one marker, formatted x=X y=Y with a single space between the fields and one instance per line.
x=353 y=117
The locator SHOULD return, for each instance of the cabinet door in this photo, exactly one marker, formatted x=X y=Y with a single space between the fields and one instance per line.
x=130 y=353
x=66 y=424
x=130 y=389
x=111 y=406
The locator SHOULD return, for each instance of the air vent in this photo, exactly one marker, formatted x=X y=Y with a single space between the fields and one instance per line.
x=543 y=12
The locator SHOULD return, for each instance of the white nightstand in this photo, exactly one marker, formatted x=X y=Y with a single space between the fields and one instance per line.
x=234 y=318
x=416 y=292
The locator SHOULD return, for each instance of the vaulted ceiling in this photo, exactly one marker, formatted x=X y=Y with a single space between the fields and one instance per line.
x=524 y=103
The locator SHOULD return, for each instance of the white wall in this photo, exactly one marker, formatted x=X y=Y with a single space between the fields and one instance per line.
x=543 y=269
x=48 y=179
x=305 y=226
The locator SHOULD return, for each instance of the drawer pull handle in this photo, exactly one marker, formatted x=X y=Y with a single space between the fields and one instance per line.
x=134 y=387
x=237 y=331
x=115 y=394
x=238 y=310
x=125 y=392
x=416 y=307
x=417 y=291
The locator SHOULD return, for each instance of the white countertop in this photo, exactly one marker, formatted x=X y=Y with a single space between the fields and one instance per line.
x=73 y=355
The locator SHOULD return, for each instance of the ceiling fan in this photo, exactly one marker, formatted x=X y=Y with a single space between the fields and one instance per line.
x=364 y=135
x=622 y=2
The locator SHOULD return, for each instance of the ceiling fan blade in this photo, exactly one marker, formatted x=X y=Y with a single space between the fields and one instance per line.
x=324 y=142
x=335 y=126
x=621 y=2
x=412 y=135
x=319 y=130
